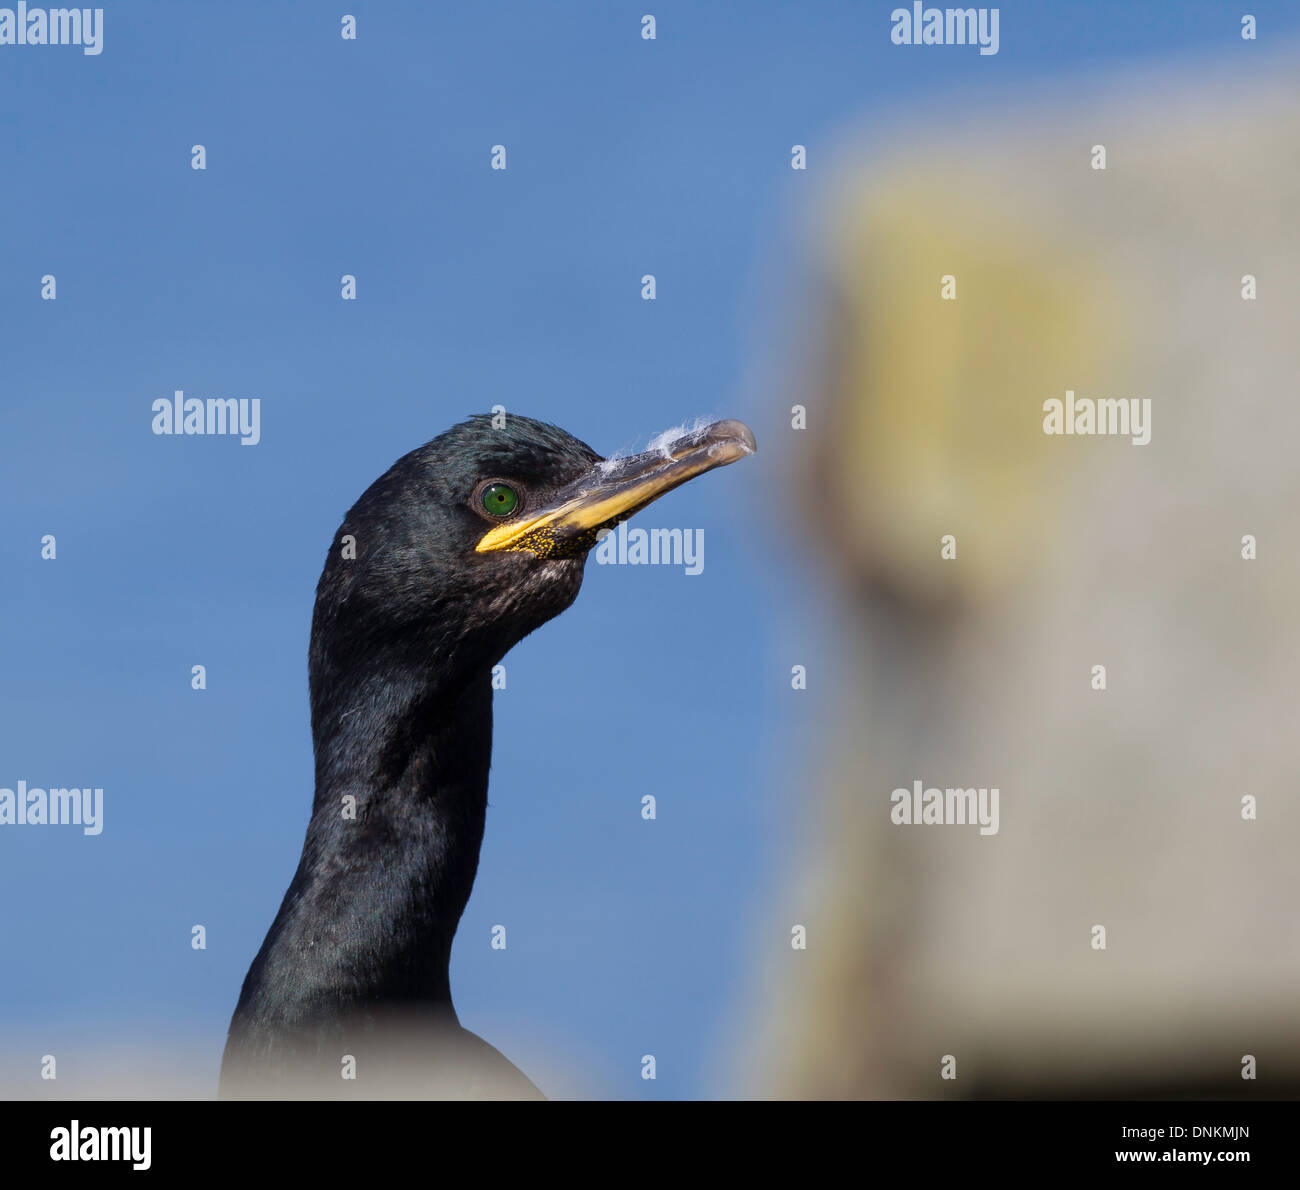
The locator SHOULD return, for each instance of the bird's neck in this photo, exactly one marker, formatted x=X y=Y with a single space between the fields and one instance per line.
x=389 y=859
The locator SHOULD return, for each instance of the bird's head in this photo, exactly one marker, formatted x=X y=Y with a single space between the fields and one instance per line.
x=473 y=540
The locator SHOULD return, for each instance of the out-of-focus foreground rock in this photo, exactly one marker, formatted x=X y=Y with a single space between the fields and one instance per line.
x=1120 y=807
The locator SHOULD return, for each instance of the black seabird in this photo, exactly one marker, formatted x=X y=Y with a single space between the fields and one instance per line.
x=462 y=548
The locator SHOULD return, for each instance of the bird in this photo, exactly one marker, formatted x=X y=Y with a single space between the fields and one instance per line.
x=450 y=558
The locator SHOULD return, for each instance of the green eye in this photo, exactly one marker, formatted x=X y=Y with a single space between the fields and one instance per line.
x=500 y=499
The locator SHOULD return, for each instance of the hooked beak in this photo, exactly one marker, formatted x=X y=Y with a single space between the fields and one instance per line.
x=614 y=489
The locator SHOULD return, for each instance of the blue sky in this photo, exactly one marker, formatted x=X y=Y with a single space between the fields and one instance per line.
x=475 y=287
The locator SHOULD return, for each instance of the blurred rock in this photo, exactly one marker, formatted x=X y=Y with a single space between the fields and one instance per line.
x=1123 y=807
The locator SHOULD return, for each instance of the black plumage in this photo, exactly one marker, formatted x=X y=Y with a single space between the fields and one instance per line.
x=428 y=583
